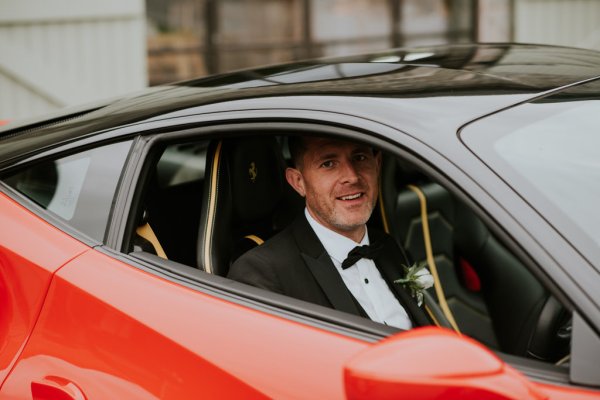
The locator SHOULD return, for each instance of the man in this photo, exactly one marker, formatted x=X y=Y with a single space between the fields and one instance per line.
x=307 y=260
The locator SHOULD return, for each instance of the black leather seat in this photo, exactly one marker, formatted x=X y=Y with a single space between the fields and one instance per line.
x=246 y=200
x=173 y=213
x=403 y=214
x=527 y=320
x=505 y=313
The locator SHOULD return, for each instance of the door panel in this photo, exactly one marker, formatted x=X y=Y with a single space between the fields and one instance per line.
x=31 y=251
x=107 y=327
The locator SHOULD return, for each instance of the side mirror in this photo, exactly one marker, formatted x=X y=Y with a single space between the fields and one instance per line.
x=432 y=363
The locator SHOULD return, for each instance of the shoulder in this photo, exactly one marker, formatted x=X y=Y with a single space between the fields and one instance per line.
x=259 y=266
x=278 y=245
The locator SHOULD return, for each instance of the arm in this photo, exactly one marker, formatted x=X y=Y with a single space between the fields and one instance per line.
x=254 y=268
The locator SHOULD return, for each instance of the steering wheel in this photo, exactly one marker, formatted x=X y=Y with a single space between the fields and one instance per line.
x=551 y=338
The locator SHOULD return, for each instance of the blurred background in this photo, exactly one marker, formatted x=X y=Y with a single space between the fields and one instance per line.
x=66 y=52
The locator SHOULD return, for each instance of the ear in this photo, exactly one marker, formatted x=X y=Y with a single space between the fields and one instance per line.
x=296 y=180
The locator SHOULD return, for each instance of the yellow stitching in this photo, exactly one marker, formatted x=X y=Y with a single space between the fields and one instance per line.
x=211 y=209
x=439 y=291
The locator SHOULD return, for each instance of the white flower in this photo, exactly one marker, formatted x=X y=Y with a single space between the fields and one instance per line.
x=417 y=279
x=424 y=278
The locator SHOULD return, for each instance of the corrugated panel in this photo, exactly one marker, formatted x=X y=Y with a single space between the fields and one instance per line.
x=562 y=22
x=18 y=101
x=49 y=64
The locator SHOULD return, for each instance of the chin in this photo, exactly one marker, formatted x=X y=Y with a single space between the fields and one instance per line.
x=351 y=223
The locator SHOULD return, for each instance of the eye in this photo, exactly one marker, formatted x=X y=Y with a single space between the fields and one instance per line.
x=327 y=164
x=360 y=157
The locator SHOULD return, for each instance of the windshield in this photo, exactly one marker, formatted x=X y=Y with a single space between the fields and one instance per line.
x=549 y=152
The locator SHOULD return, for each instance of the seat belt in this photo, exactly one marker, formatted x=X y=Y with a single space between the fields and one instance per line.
x=212 y=207
x=147 y=233
x=386 y=228
x=439 y=291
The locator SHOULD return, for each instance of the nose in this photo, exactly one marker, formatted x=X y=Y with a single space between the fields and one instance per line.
x=349 y=174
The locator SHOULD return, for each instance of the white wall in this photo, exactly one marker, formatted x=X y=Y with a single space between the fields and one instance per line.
x=563 y=22
x=65 y=52
x=494 y=21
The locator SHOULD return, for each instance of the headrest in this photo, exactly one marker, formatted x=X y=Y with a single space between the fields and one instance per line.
x=256 y=169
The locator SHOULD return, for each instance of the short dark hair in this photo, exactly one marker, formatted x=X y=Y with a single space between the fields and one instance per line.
x=297 y=147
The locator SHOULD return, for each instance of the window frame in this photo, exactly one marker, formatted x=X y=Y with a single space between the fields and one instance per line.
x=59 y=152
x=385 y=137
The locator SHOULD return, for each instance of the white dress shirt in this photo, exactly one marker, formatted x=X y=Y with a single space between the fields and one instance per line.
x=363 y=278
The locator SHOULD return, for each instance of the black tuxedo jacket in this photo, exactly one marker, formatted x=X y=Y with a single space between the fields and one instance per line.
x=295 y=263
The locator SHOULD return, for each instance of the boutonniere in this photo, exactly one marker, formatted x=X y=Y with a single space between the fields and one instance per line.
x=417 y=278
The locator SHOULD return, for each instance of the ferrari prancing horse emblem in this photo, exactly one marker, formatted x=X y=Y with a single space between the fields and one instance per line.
x=253 y=172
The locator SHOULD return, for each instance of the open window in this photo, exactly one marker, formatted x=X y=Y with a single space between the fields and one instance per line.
x=206 y=202
x=168 y=213
x=208 y=199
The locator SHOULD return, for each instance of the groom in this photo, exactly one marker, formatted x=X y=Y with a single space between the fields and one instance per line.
x=315 y=259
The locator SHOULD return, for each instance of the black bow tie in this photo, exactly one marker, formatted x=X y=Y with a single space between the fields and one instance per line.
x=366 y=251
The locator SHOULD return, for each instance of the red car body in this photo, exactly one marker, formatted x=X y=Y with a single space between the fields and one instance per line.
x=74 y=312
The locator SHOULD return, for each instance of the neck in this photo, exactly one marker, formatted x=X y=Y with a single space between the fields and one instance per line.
x=355 y=233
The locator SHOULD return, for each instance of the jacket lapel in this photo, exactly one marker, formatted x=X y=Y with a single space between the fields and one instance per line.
x=389 y=262
x=320 y=265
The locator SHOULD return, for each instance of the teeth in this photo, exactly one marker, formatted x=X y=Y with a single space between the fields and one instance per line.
x=351 y=197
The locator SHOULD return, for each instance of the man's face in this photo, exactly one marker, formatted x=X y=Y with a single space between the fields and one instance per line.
x=340 y=182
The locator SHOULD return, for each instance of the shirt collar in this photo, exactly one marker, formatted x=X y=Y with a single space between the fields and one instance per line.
x=336 y=245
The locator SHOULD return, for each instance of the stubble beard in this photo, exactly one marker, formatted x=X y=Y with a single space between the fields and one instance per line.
x=329 y=214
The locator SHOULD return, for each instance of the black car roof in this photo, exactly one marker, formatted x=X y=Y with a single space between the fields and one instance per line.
x=455 y=70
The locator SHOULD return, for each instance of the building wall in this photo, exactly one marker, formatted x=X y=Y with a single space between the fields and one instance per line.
x=65 y=52
x=190 y=38
x=562 y=22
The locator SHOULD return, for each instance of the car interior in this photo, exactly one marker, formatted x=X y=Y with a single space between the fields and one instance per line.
x=170 y=207
x=490 y=293
x=247 y=200
x=205 y=203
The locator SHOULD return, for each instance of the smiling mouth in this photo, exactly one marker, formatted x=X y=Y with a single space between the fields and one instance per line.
x=351 y=196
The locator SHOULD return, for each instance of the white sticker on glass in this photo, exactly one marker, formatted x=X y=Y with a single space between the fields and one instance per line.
x=71 y=175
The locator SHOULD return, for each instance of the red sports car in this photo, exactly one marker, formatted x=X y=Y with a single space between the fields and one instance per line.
x=119 y=221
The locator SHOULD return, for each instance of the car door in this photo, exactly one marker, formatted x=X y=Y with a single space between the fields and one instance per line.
x=31 y=251
x=110 y=330
x=117 y=327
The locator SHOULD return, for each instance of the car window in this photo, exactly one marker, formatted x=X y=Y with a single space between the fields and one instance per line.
x=548 y=151
x=78 y=189
x=487 y=289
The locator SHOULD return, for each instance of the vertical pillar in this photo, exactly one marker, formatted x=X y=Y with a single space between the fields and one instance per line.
x=307 y=40
x=396 y=39
x=494 y=20
x=211 y=56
